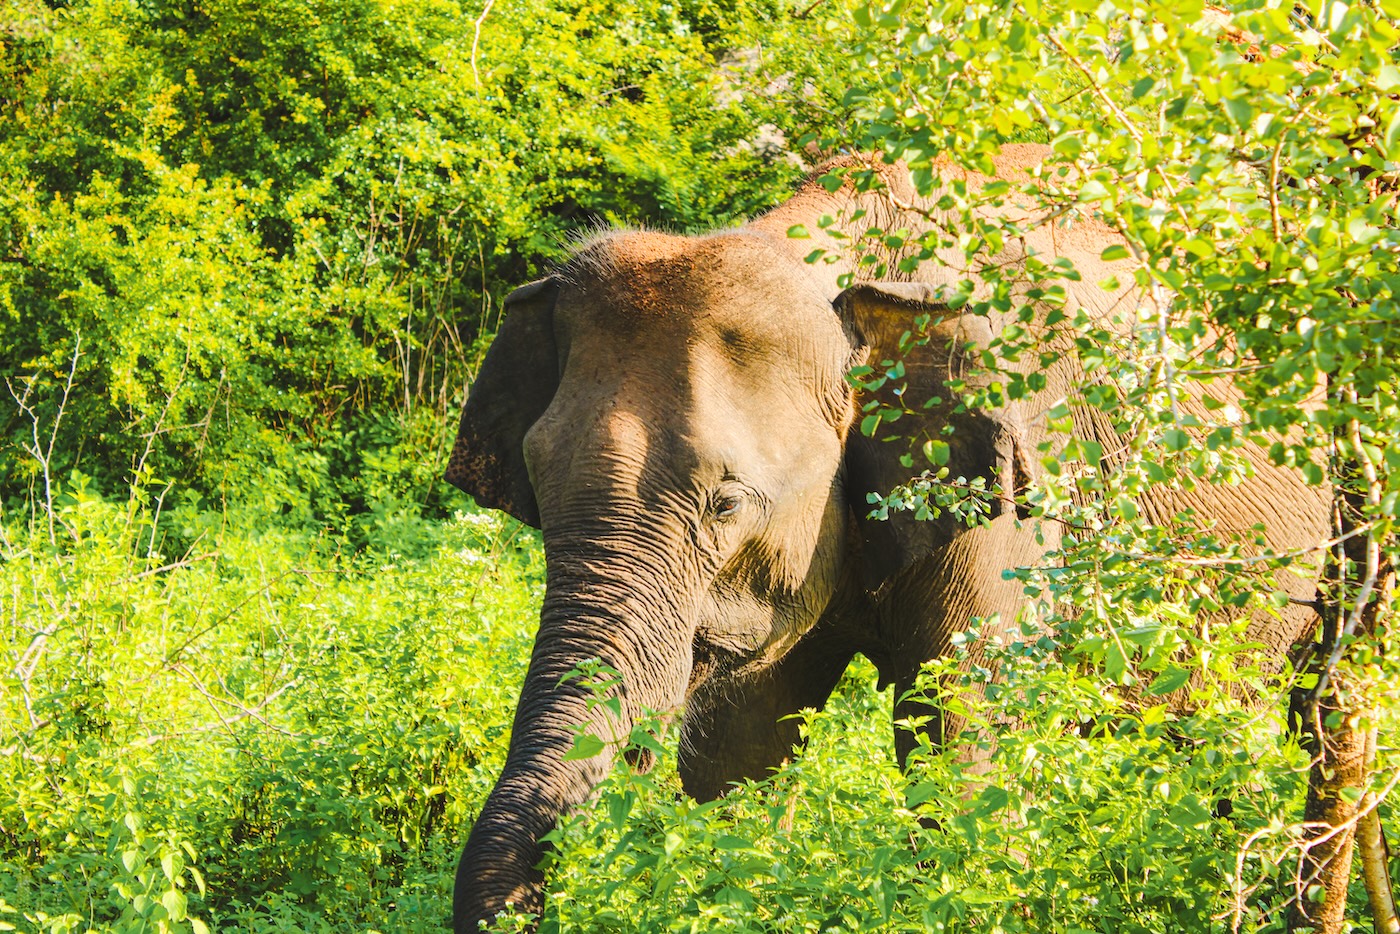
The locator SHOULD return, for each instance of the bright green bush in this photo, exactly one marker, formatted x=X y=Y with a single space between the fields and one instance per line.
x=1095 y=810
x=249 y=253
x=271 y=734
x=261 y=729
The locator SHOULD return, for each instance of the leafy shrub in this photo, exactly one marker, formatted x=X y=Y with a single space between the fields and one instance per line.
x=261 y=729
x=1092 y=810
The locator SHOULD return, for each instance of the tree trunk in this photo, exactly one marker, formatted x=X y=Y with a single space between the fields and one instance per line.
x=1375 y=854
x=1336 y=717
x=1335 y=783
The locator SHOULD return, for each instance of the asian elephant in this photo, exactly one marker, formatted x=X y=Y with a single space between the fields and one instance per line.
x=673 y=413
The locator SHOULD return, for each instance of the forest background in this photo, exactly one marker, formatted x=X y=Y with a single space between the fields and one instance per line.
x=260 y=662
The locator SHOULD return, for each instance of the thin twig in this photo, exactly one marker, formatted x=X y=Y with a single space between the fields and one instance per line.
x=1374 y=491
x=243 y=712
x=476 y=39
x=223 y=723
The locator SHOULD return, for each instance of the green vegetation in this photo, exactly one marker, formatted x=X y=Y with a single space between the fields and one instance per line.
x=1247 y=156
x=259 y=662
x=273 y=234
x=266 y=734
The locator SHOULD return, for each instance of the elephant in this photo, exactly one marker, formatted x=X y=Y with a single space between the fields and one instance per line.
x=674 y=414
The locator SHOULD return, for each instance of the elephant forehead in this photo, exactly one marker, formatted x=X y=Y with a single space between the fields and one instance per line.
x=741 y=280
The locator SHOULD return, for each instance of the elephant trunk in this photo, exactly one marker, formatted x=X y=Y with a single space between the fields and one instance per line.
x=499 y=865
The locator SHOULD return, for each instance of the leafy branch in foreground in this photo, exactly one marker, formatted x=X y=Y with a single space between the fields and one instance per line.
x=1246 y=158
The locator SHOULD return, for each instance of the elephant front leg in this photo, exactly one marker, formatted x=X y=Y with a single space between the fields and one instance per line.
x=742 y=730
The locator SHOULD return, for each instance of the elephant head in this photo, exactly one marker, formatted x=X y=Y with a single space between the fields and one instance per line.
x=673 y=414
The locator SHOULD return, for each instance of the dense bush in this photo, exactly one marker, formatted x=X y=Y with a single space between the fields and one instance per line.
x=255 y=679
x=270 y=733
x=265 y=732
x=1096 y=809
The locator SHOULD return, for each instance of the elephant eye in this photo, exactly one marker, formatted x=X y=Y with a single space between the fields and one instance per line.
x=727 y=505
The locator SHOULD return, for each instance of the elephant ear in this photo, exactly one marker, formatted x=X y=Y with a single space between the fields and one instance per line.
x=907 y=322
x=516 y=383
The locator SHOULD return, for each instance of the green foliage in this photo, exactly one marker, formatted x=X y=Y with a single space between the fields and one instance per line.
x=262 y=732
x=1090 y=810
x=1239 y=155
x=1245 y=159
x=266 y=734
x=249 y=254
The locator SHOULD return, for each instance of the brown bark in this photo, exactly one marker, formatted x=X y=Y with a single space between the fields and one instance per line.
x=1324 y=868
x=1375 y=855
x=1334 y=717
x=1336 y=723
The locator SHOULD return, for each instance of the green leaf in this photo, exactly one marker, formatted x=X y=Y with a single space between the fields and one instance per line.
x=586 y=746
x=992 y=799
x=1240 y=111
x=1115 y=662
x=175 y=903
x=1174 y=678
x=1392 y=135
x=1114 y=253
x=1198 y=247
x=798 y=232
x=920 y=793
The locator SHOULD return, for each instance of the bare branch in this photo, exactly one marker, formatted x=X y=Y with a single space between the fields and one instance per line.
x=476 y=40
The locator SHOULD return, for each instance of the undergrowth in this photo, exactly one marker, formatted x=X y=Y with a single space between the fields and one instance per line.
x=263 y=733
x=271 y=731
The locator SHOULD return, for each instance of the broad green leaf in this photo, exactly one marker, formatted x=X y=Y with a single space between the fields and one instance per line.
x=586 y=746
x=175 y=903
x=1173 y=679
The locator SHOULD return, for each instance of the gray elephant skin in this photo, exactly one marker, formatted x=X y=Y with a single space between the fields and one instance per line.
x=672 y=412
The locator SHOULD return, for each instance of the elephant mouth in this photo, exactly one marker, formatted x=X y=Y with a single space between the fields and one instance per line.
x=711 y=663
